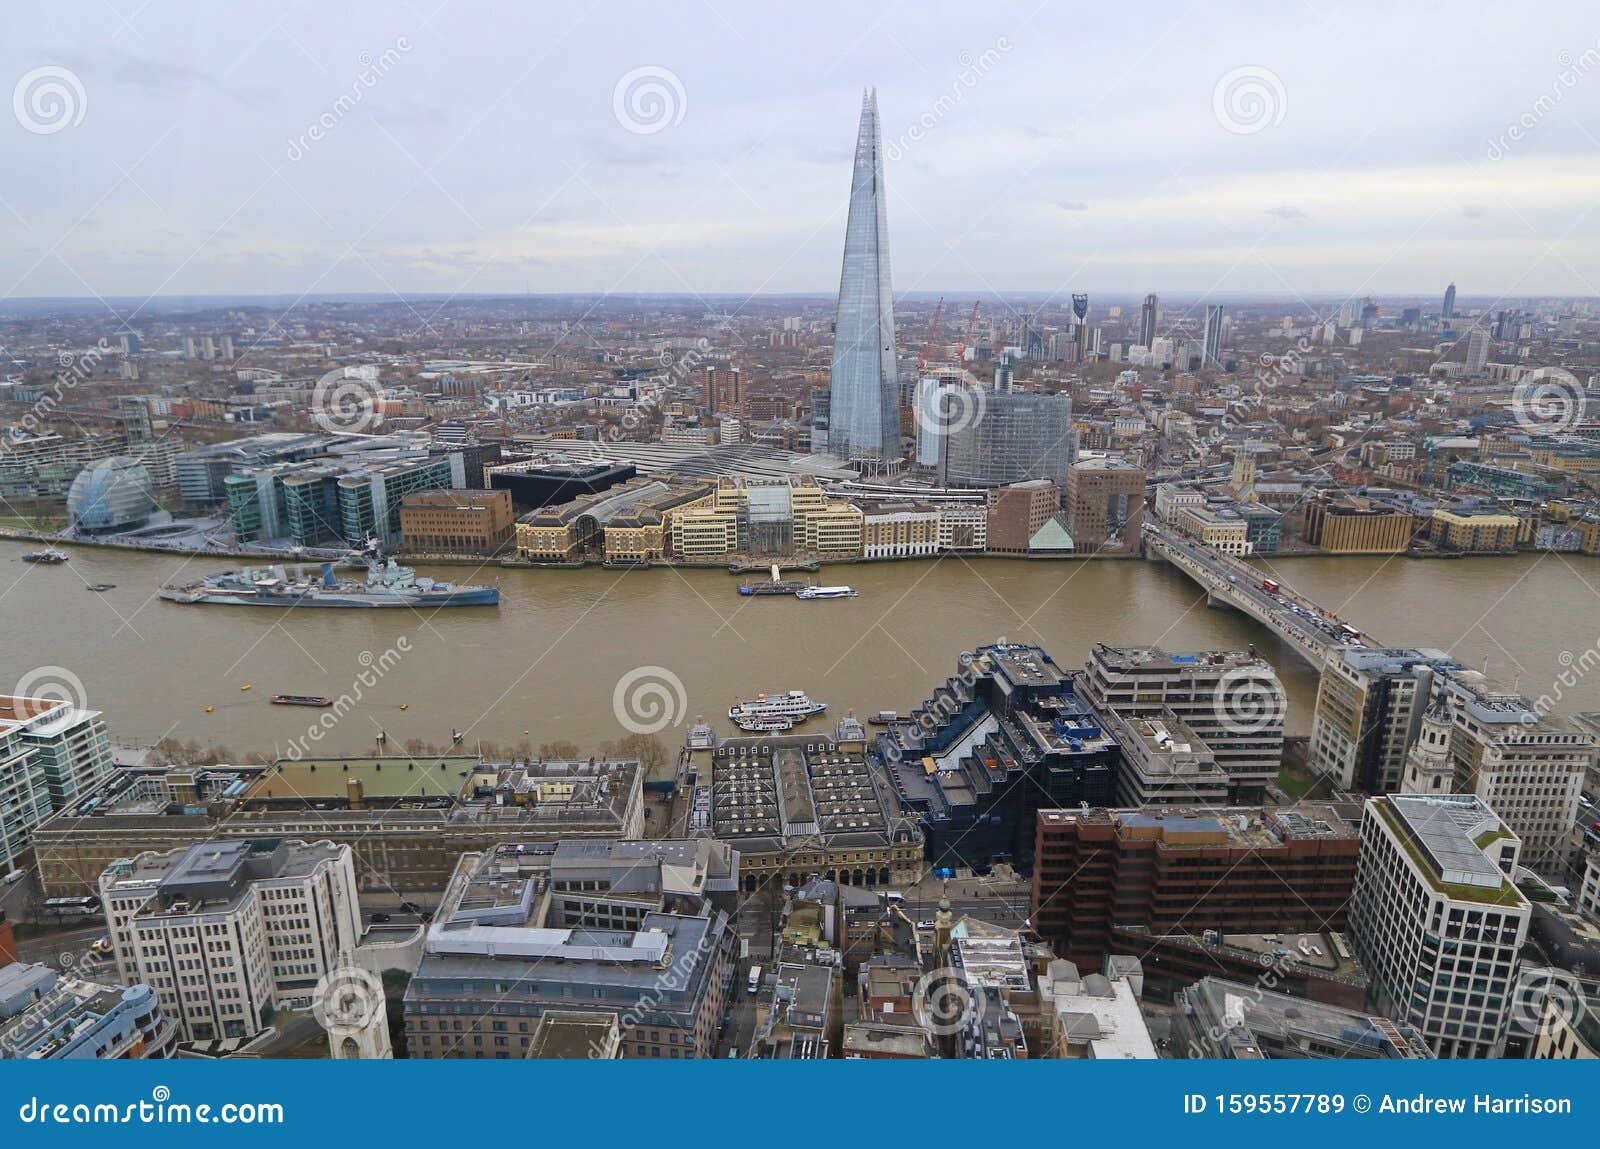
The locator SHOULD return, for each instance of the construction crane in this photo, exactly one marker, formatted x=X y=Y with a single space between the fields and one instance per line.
x=933 y=334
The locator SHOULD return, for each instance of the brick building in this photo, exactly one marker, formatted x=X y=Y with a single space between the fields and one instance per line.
x=1237 y=870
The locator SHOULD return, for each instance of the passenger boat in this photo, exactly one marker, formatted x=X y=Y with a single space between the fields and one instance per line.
x=101 y=585
x=48 y=557
x=790 y=707
x=826 y=592
x=301 y=700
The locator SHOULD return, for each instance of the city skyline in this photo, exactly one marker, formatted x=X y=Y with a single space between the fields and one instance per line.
x=1267 y=164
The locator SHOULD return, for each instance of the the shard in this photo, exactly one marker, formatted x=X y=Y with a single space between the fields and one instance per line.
x=864 y=415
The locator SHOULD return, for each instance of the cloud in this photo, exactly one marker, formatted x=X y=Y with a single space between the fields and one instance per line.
x=1287 y=211
x=1072 y=205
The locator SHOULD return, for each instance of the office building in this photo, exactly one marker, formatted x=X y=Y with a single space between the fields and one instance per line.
x=1014 y=436
x=1147 y=321
x=1436 y=919
x=1105 y=504
x=1017 y=513
x=1354 y=525
x=1095 y=1016
x=1166 y=869
x=49 y=1016
x=457 y=522
x=1165 y=761
x=864 y=408
x=552 y=481
x=52 y=754
x=408 y=820
x=1527 y=767
x=632 y=934
x=1003 y=736
x=1449 y=309
x=1232 y=700
x=1477 y=351
x=1211 y=349
x=1217 y=1018
x=1369 y=711
x=226 y=932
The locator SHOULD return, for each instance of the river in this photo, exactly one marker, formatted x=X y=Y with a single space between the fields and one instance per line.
x=545 y=664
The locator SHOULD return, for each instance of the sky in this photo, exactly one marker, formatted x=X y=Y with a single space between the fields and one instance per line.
x=420 y=146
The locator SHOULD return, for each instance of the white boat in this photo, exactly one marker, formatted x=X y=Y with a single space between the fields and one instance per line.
x=826 y=592
x=761 y=711
x=771 y=725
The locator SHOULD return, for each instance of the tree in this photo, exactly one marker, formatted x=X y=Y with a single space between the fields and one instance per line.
x=558 y=749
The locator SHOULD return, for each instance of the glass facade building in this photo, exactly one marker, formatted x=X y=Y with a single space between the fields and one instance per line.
x=863 y=410
x=1014 y=436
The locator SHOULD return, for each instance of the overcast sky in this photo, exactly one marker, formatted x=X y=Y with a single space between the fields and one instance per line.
x=473 y=147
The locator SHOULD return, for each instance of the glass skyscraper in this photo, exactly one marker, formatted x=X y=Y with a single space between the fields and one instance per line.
x=864 y=416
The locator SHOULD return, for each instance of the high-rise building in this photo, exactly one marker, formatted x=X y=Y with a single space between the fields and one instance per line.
x=1449 y=302
x=1211 y=352
x=1477 y=351
x=52 y=752
x=1080 y=315
x=1105 y=504
x=1169 y=870
x=1147 y=320
x=864 y=413
x=1231 y=699
x=1009 y=437
x=1370 y=704
x=1436 y=919
x=223 y=931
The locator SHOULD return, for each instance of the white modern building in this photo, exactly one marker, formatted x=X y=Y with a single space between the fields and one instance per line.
x=1437 y=921
x=1230 y=699
x=225 y=932
x=51 y=754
